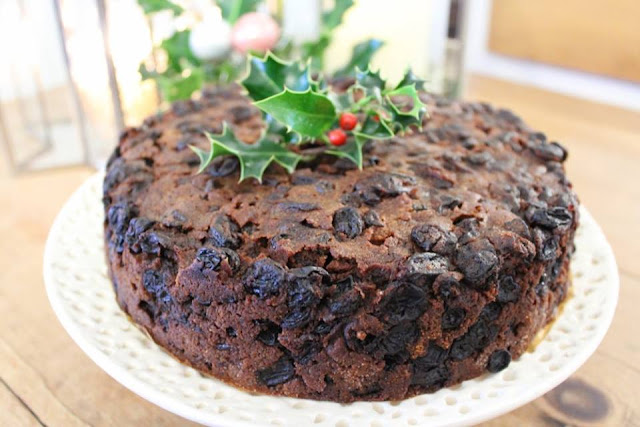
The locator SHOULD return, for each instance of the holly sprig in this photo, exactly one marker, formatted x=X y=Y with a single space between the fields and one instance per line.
x=304 y=117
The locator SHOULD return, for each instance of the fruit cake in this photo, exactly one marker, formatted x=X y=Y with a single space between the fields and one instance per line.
x=439 y=261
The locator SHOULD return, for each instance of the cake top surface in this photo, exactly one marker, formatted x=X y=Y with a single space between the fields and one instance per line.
x=471 y=191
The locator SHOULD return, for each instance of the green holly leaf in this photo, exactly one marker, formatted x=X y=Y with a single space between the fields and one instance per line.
x=352 y=150
x=177 y=87
x=375 y=129
x=360 y=57
x=233 y=9
x=411 y=79
x=152 y=6
x=314 y=51
x=254 y=158
x=268 y=76
x=333 y=18
x=309 y=113
x=179 y=55
x=342 y=101
x=372 y=83
x=146 y=73
x=409 y=93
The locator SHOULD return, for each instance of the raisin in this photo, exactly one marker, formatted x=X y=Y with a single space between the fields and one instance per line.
x=549 y=249
x=480 y=335
x=279 y=373
x=553 y=151
x=308 y=351
x=498 y=360
x=152 y=242
x=453 y=318
x=435 y=377
x=550 y=218
x=372 y=219
x=373 y=189
x=478 y=261
x=398 y=338
x=299 y=179
x=211 y=258
x=231 y=332
x=432 y=238
x=435 y=356
x=425 y=265
x=508 y=290
x=345 y=304
x=304 y=291
x=269 y=334
x=241 y=113
x=297 y=318
x=348 y=221
x=225 y=232
x=264 y=278
x=448 y=203
x=222 y=166
x=137 y=226
x=153 y=282
x=298 y=206
x=479 y=159
x=322 y=328
x=405 y=302
x=118 y=218
x=491 y=311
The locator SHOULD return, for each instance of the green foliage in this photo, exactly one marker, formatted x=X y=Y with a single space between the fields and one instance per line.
x=360 y=57
x=153 y=6
x=180 y=86
x=179 y=55
x=254 y=158
x=308 y=113
x=269 y=75
x=233 y=9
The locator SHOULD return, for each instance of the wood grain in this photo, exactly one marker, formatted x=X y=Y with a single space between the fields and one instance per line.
x=46 y=379
x=597 y=36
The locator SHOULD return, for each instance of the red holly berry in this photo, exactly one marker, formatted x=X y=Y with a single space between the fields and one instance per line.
x=348 y=121
x=376 y=118
x=337 y=137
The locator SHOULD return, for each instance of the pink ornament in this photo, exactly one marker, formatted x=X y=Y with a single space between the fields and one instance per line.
x=255 y=32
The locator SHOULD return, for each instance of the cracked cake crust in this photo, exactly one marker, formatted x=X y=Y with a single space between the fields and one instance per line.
x=439 y=261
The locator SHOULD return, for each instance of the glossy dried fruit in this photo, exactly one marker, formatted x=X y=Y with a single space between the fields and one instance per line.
x=431 y=238
x=224 y=232
x=478 y=262
x=453 y=318
x=405 y=302
x=508 y=290
x=550 y=218
x=264 y=278
x=498 y=360
x=279 y=373
x=348 y=221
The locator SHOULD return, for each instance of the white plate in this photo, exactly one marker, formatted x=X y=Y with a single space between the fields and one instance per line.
x=80 y=292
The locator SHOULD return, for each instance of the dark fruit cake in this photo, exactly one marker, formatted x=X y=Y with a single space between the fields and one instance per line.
x=441 y=260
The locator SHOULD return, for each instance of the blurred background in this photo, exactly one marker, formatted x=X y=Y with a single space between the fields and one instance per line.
x=75 y=72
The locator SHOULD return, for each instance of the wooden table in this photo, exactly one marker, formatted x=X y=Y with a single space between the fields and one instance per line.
x=46 y=379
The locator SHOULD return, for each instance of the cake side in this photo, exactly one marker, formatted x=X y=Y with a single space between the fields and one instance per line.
x=441 y=260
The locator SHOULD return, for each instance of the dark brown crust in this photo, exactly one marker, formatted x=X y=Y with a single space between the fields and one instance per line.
x=451 y=246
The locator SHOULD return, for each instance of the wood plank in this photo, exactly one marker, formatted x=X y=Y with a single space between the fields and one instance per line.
x=15 y=412
x=590 y=35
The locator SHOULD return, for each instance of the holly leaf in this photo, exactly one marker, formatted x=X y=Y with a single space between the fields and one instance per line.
x=352 y=150
x=152 y=6
x=409 y=79
x=360 y=57
x=309 y=113
x=406 y=93
x=372 y=83
x=314 y=50
x=180 y=86
x=178 y=51
x=342 y=101
x=254 y=158
x=268 y=76
x=333 y=18
x=375 y=129
x=233 y=9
